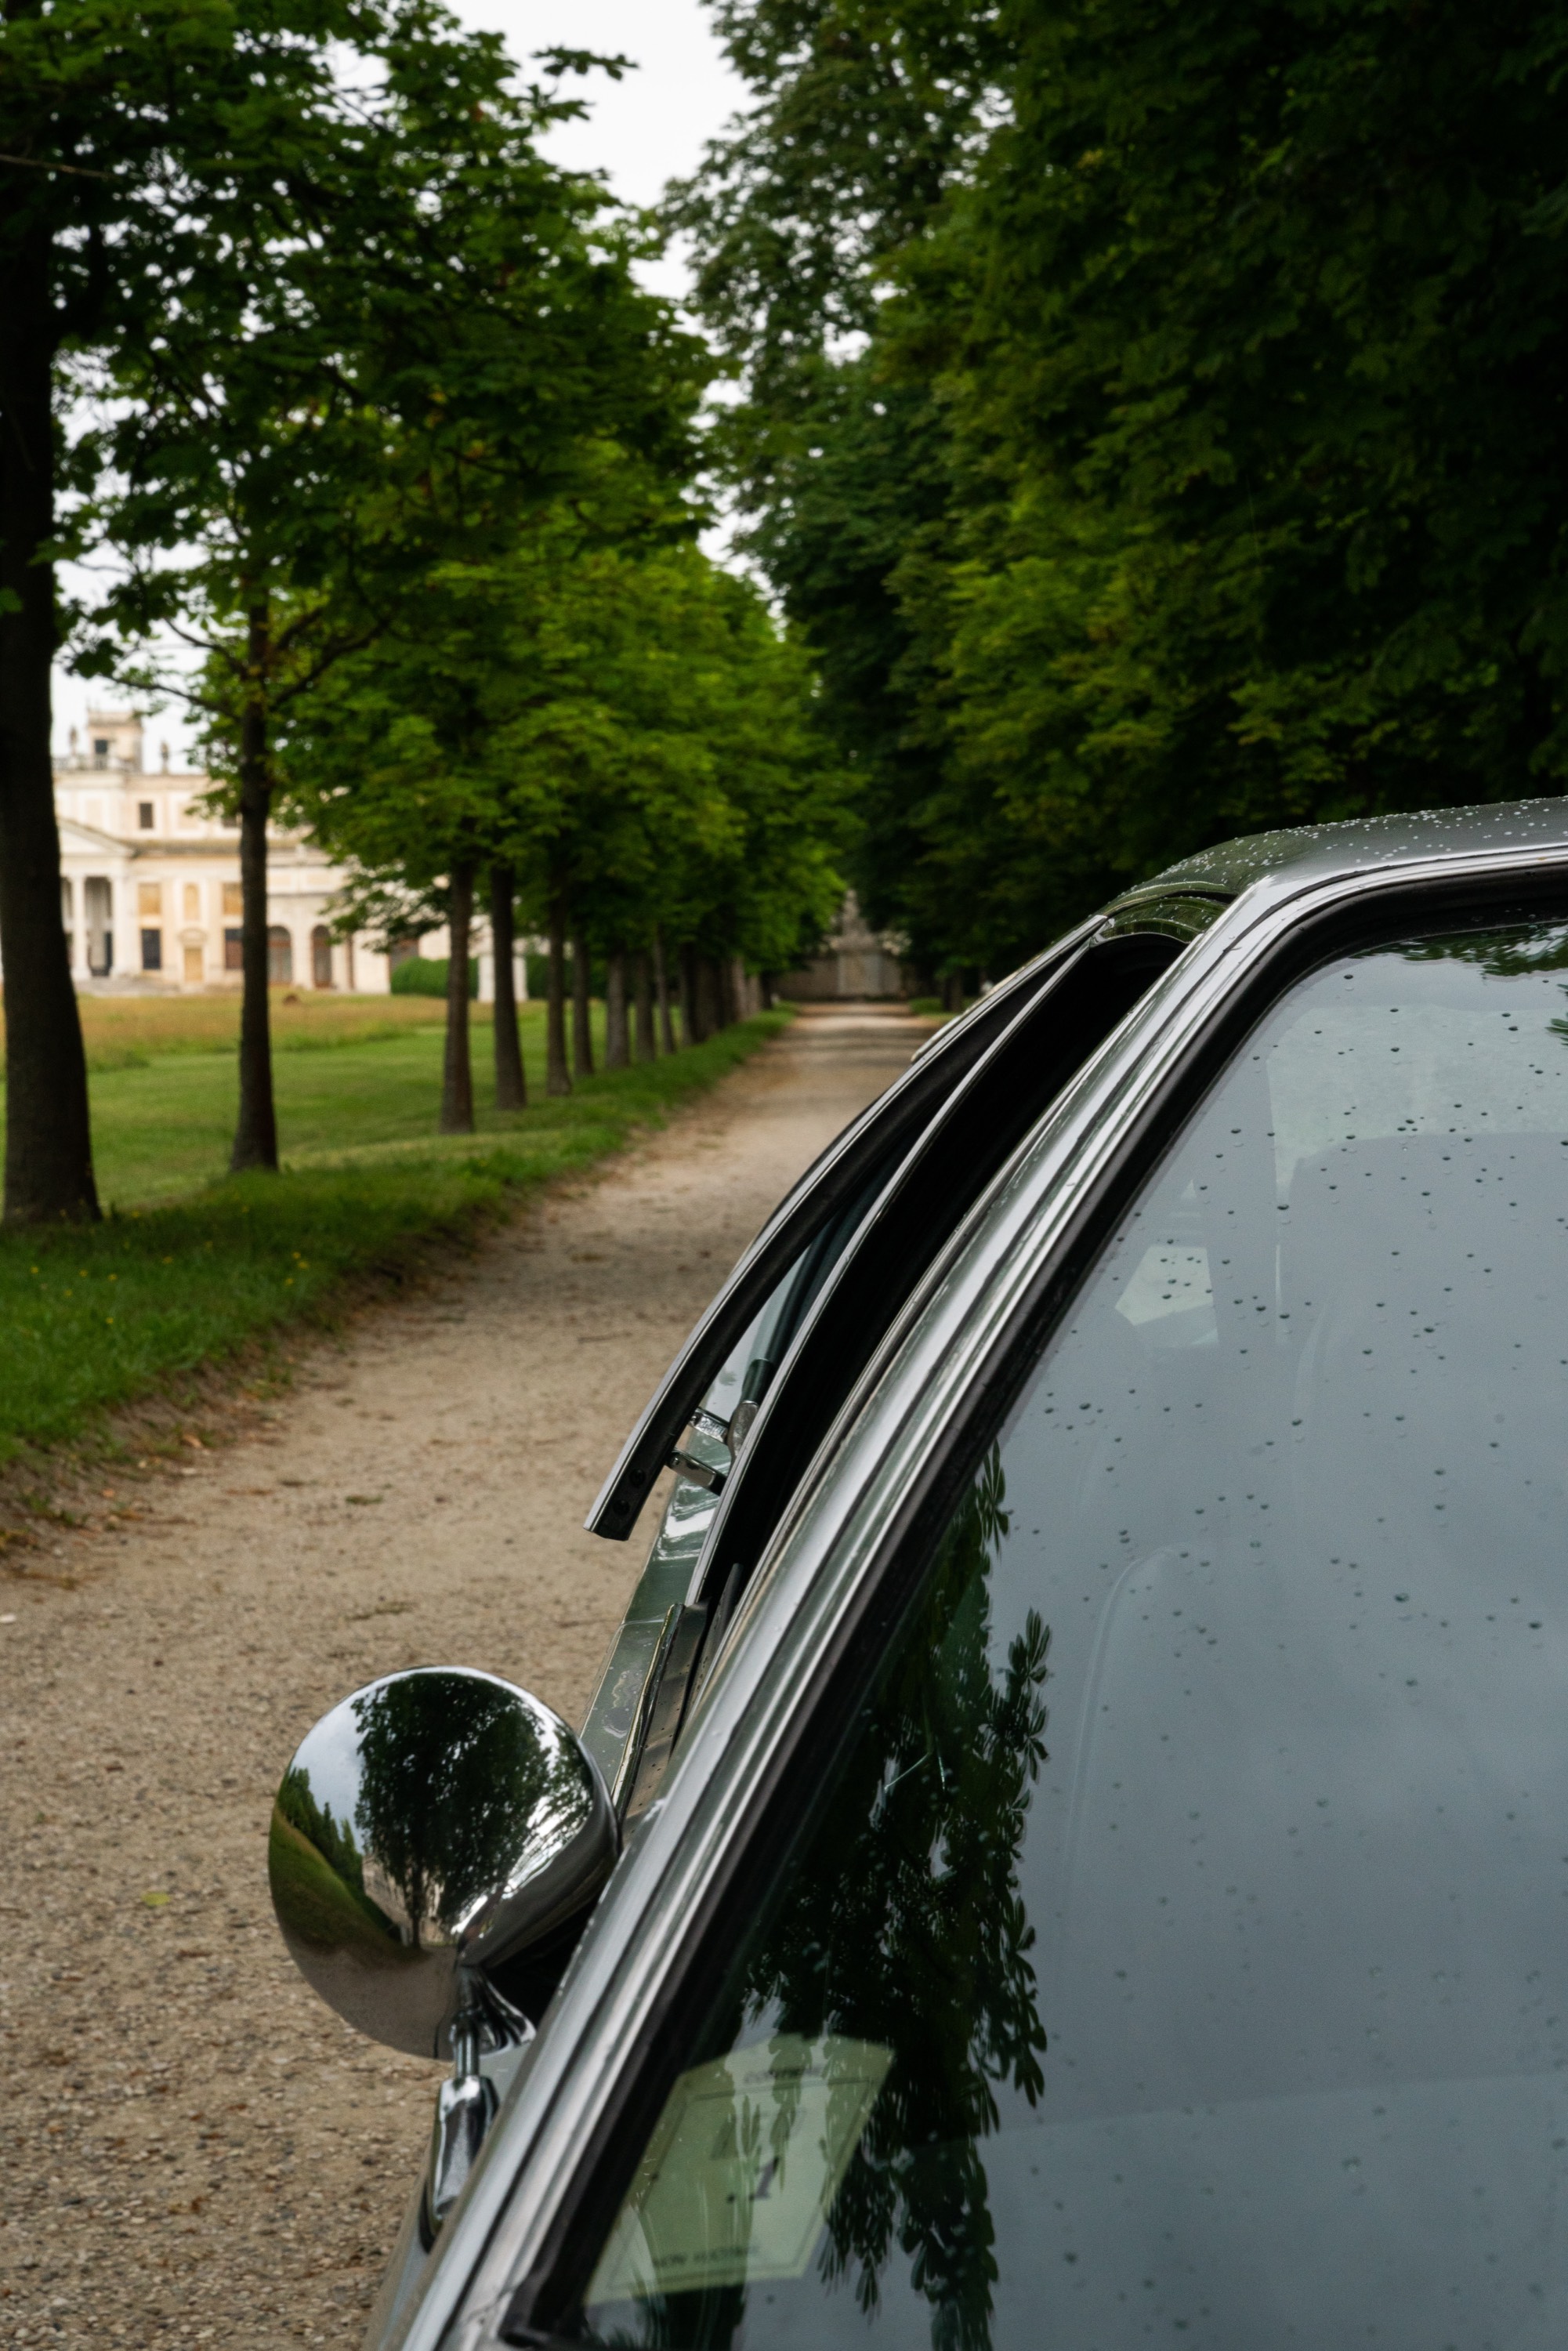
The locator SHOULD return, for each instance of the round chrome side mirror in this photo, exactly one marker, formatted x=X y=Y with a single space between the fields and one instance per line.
x=437 y=1826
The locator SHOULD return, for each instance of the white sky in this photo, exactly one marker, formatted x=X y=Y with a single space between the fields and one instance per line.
x=642 y=130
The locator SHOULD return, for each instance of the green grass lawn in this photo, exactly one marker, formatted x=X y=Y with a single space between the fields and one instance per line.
x=164 y=1126
x=190 y=1263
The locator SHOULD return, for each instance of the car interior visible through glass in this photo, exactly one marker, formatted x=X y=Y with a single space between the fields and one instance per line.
x=1177 y=1942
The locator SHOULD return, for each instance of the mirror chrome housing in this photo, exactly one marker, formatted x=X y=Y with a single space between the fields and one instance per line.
x=436 y=1840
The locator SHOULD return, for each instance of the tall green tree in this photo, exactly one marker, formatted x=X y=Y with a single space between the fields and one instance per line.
x=621 y=728
x=1200 y=468
x=437 y=347
x=865 y=115
x=119 y=128
x=1257 y=380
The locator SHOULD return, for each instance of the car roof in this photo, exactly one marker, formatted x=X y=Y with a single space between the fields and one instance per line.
x=1311 y=851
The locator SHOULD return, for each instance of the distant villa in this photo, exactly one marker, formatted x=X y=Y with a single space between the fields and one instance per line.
x=150 y=886
x=150 y=893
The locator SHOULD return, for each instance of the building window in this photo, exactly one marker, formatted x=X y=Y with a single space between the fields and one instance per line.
x=321 y=956
x=151 y=950
x=234 y=898
x=193 y=902
x=279 y=957
x=150 y=899
x=144 y=815
x=100 y=750
x=234 y=950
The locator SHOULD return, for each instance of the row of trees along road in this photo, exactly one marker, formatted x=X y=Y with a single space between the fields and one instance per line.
x=598 y=734
x=356 y=356
x=1153 y=419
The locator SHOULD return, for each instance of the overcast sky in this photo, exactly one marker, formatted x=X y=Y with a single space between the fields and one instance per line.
x=648 y=127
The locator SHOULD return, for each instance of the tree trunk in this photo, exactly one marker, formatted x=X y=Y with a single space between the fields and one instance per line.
x=662 y=990
x=646 y=1048
x=255 y=1135
x=952 y=992
x=457 y=1071
x=511 y=1086
x=557 y=1078
x=49 y=1141
x=765 y=982
x=581 y=1030
x=692 y=1031
x=617 y=1042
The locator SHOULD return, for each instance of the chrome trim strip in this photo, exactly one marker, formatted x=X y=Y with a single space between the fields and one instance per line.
x=991 y=1276
x=636 y=1738
x=1173 y=914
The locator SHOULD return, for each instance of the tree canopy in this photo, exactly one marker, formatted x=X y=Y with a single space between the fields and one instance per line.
x=344 y=326
x=620 y=725
x=1197 y=462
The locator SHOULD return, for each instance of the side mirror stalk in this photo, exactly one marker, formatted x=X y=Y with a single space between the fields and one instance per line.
x=488 y=2039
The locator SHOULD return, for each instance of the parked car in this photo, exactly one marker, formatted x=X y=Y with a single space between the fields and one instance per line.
x=1070 y=1846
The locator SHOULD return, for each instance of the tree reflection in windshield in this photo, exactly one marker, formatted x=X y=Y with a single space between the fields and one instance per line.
x=903 y=1926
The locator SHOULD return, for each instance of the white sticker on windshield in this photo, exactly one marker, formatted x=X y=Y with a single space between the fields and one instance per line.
x=740 y=2174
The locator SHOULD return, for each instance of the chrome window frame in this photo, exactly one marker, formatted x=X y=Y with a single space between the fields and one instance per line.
x=615 y=1717
x=811 y=1202
x=1003 y=1280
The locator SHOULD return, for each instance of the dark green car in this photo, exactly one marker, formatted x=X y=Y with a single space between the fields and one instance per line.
x=1071 y=1849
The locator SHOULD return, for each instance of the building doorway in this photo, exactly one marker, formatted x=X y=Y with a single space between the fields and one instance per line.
x=98 y=916
x=321 y=956
x=279 y=957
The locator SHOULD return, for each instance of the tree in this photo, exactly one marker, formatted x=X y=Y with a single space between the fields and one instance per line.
x=620 y=728
x=120 y=126
x=1264 y=383
x=1199 y=466
x=437 y=346
x=865 y=117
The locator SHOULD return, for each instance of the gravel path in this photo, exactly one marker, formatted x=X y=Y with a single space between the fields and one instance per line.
x=196 y=2148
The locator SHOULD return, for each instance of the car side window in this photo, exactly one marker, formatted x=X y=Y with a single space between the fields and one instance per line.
x=1176 y=1942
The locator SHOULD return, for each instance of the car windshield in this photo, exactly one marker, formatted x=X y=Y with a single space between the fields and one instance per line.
x=1178 y=1948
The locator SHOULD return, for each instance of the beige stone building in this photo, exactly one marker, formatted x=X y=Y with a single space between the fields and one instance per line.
x=150 y=888
x=855 y=962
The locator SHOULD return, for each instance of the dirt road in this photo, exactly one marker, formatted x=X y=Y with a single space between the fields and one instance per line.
x=195 y=2147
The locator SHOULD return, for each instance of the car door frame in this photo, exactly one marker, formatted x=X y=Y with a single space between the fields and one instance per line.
x=896 y=1116
x=946 y=1370
x=662 y=1649
x=926 y=1193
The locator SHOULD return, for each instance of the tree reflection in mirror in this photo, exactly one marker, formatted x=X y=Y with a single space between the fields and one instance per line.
x=1233 y=2006
x=447 y=1772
